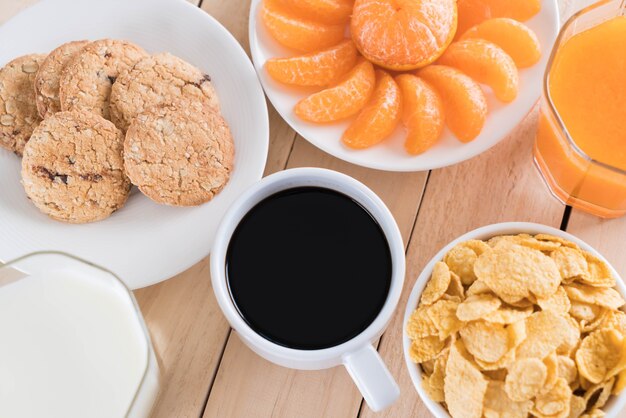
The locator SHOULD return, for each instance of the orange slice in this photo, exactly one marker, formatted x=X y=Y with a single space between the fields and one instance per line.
x=473 y=12
x=296 y=33
x=315 y=69
x=325 y=11
x=515 y=38
x=486 y=63
x=379 y=118
x=464 y=102
x=403 y=34
x=342 y=100
x=422 y=113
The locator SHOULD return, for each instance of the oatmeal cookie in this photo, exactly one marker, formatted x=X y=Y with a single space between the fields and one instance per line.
x=157 y=80
x=73 y=169
x=18 y=112
x=87 y=79
x=179 y=155
x=49 y=75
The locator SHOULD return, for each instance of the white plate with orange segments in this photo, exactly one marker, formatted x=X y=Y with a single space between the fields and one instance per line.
x=390 y=154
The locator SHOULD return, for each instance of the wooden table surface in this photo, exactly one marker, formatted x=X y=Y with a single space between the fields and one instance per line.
x=208 y=372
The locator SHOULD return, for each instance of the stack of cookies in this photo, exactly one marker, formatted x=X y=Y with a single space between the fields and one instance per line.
x=92 y=118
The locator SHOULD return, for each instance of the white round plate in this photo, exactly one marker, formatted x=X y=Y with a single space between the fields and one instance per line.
x=615 y=404
x=143 y=242
x=390 y=155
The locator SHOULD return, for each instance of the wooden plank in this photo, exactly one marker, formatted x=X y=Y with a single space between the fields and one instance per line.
x=500 y=185
x=248 y=386
x=188 y=332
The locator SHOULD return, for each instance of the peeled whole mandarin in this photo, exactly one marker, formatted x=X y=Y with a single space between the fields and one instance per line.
x=403 y=34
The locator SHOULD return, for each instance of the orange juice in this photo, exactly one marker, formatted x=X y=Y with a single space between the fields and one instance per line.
x=581 y=140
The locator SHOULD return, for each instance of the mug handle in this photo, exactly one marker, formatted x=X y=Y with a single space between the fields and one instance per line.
x=372 y=378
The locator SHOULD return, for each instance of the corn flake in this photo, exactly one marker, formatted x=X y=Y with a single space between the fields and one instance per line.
x=567 y=369
x=558 y=302
x=600 y=393
x=605 y=297
x=545 y=332
x=525 y=379
x=552 y=364
x=508 y=315
x=437 y=285
x=485 y=341
x=555 y=402
x=514 y=272
x=462 y=257
x=426 y=348
x=477 y=306
x=599 y=272
x=420 y=325
x=571 y=262
x=498 y=404
x=443 y=314
x=462 y=374
x=599 y=353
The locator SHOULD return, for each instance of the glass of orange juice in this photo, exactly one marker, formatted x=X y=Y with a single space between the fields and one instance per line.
x=580 y=148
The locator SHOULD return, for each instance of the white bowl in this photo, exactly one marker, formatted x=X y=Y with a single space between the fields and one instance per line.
x=612 y=408
x=390 y=155
x=143 y=243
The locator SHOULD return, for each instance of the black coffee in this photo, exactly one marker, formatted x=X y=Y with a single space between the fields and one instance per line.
x=308 y=268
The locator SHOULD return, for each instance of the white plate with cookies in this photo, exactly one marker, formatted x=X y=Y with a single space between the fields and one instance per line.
x=161 y=96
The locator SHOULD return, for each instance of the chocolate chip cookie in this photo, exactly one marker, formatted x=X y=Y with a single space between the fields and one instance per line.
x=179 y=155
x=87 y=79
x=73 y=169
x=49 y=76
x=156 y=80
x=18 y=112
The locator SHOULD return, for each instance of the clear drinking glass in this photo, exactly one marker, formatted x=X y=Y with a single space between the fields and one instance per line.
x=78 y=343
x=572 y=176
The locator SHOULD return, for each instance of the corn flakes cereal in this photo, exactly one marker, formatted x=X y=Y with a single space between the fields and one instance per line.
x=515 y=272
x=498 y=404
x=555 y=402
x=525 y=379
x=520 y=326
x=601 y=296
x=598 y=354
x=558 y=302
x=437 y=285
x=462 y=257
x=443 y=314
x=426 y=348
x=571 y=262
x=462 y=374
x=545 y=331
x=477 y=306
x=485 y=341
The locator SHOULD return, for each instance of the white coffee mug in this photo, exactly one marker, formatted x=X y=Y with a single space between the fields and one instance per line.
x=358 y=354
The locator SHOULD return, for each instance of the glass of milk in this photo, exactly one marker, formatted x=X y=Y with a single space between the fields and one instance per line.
x=73 y=343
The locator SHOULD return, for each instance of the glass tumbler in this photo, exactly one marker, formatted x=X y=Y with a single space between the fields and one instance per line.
x=73 y=342
x=576 y=179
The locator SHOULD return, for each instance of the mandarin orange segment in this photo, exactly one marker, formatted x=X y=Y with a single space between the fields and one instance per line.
x=486 y=63
x=343 y=100
x=463 y=100
x=315 y=69
x=379 y=117
x=296 y=33
x=473 y=12
x=422 y=113
x=325 y=11
x=515 y=38
x=403 y=34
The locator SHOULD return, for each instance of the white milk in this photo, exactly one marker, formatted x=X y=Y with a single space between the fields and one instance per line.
x=73 y=346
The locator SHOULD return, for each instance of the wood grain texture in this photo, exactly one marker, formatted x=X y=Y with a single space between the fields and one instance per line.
x=497 y=186
x=189 y=332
